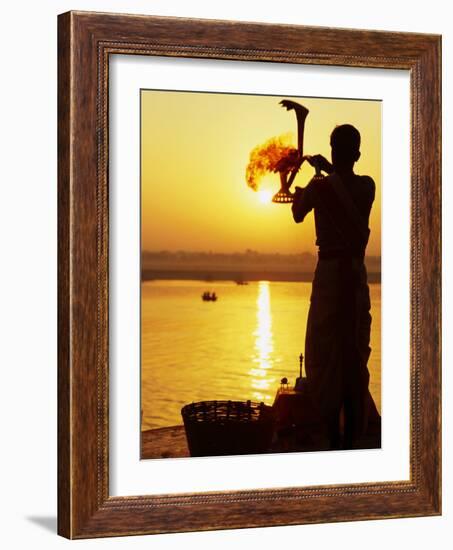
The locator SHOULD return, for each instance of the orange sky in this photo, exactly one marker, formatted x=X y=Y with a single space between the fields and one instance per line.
x=195 y=149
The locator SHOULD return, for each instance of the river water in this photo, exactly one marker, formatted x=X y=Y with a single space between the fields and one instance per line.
x=237 y=348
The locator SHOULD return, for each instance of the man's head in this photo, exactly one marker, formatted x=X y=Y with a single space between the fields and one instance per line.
x=345 y=143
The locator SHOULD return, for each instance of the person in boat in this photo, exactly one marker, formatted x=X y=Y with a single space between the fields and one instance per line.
x=208 y=296
x=337 y=342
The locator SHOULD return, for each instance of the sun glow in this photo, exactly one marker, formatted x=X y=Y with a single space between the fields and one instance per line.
x=264 y=346
x=190 y=191
x=265 y=196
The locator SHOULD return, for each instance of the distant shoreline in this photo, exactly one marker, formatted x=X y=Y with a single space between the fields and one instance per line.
x=241 y=266
x=233 y=275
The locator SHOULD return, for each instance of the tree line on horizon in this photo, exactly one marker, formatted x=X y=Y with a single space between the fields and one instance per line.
x=307 y=260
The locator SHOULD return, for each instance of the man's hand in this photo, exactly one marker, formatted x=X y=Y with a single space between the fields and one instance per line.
x=320 y=162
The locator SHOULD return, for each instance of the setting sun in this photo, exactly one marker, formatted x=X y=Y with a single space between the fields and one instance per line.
x=265 y=196
x=183 y=186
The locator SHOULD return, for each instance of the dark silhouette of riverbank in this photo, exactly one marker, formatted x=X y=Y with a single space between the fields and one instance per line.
x=246 y=266
x=276 y=276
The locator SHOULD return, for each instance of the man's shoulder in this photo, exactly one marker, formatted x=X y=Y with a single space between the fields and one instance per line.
x=368 y=181
x=368 y=186
x=364 y=181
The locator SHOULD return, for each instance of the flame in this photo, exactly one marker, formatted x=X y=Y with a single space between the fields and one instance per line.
x=275 y=155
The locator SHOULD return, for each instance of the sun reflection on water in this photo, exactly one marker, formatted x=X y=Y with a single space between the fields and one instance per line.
x=261 y=381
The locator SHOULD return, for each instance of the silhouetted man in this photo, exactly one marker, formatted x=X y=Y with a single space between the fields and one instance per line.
x=339 y=321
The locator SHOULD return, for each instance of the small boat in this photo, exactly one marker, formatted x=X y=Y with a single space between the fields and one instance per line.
x=241 y=282
x=209 y=297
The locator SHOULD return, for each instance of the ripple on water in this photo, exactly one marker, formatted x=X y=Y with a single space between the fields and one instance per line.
x=236 y=348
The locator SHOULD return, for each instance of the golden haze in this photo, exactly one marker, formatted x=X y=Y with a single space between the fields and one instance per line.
x=195 y=149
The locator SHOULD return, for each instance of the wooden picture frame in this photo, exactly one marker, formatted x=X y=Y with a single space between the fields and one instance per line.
x=85 y=42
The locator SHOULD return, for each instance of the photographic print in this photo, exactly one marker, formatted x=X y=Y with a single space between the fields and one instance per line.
x=260 y=274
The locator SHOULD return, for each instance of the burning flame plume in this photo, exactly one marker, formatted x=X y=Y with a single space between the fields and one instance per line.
x=275 y=155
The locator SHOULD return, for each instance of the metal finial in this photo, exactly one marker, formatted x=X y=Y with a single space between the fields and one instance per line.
x=301 y=361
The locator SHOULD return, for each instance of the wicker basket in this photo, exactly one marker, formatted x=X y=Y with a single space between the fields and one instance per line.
x=218 y=428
